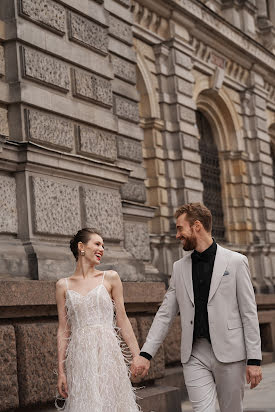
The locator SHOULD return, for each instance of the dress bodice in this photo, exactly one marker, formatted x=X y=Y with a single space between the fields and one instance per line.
x=93 y=309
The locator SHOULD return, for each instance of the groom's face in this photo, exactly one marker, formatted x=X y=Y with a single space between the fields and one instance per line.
x=186 y=233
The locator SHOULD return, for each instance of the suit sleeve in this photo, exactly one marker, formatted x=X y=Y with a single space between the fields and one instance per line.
x=248 y=311
x=163 y=319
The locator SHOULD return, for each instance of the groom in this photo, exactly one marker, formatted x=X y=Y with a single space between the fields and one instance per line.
x=212 y=290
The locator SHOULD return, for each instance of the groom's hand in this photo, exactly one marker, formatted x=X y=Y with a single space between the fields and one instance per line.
x=140 y=366
x=253 y=375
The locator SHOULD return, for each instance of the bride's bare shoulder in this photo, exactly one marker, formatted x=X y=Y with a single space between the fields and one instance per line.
x=112 y=276
x=61 y=284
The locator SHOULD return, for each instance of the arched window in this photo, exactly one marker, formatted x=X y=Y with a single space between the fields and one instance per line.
x=210 y=175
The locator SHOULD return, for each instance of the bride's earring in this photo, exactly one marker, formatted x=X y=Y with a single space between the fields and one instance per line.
x=82 y=252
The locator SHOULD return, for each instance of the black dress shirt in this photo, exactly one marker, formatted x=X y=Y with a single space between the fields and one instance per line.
x=202 y=269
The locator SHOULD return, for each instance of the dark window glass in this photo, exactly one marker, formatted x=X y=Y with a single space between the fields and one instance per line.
x=210 y=175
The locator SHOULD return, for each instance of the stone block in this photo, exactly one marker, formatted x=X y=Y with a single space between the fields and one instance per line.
x=46 y=69
x=49 y=129
x=4 y=127
x=56 y=207
x=129 y=149
x=172 y=343
x=137 y=240
x=192 y=170
x=190 y=142
x=159 y=399
x=187 y=114
x=37 y=362
x=103 y=210
x=89 y=86
x=183 y=60
x=184 y=87
x=126 y=109
x=157 y=363
x=124 y=69
x=133 y=191
x=94 y=141
x=88 y=33
x=120 y=30
x=45 y=12
x=8 y=366
x=8 y=211
x=2 y=61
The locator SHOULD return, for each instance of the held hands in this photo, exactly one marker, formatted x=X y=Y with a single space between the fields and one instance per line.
x=140 y=366
x=253 y=375
x=62 y=385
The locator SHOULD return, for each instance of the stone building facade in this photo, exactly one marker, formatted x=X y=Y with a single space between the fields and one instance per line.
x=112 y=114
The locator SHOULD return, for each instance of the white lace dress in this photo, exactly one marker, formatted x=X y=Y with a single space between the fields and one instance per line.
x=97 y=375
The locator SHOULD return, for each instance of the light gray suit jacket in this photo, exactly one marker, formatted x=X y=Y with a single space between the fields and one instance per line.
x=232 y=311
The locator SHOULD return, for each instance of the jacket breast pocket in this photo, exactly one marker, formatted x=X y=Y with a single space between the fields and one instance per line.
x=234 y=323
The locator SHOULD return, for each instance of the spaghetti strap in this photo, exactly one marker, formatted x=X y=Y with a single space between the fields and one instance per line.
x=66 y=279
x=103 y=277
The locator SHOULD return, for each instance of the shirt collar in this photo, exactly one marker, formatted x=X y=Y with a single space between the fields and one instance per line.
x=206 y=254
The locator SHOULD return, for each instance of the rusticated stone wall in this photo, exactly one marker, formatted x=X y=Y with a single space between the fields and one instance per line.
x=72 y=117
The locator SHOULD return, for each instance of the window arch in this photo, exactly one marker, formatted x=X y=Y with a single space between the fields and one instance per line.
x=210 y=175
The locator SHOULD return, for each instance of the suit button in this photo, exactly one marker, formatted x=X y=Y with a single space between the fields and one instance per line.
x=191 y=322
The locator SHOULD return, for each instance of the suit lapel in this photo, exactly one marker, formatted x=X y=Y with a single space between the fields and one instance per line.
x=220 y=264
x=187 y=276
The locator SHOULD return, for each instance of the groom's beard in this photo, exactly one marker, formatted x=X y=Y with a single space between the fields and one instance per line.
x=190 y=243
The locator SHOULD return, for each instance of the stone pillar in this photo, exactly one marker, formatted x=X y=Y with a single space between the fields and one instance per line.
x=261 y=184
x=74 y=151
x=180 y=135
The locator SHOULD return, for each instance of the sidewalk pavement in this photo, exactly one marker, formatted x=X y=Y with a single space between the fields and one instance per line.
x=260 y=399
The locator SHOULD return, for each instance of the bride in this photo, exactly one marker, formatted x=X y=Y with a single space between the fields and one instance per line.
x=92 y=372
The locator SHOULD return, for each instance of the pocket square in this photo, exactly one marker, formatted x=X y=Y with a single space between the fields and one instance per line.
x=226 y=273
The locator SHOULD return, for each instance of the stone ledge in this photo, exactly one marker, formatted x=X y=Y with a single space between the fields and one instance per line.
x=40 y=293
x=265 y=301
x=167 y=398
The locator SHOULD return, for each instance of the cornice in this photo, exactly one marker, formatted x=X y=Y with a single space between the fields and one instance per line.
x=211 y=23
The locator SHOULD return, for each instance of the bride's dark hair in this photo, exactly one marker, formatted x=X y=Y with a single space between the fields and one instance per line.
x=83 y=235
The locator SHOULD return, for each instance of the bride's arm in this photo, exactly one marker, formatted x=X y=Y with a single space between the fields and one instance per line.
x=121 y=317
x=63 y=334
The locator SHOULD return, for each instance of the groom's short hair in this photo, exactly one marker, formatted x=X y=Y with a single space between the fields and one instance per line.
x=196 y=211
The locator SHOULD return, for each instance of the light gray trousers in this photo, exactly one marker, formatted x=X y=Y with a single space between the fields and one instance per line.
x=206 y=378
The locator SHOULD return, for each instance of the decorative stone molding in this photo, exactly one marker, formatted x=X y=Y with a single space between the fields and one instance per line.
x=103 y=210
x=232 y=69
x=94 y=141
x=226 y=30
x=89 y=86
x=129 y=149
x=134 y=191
x=150 y=20
x=270 y=90
x=121 y=30
x=46 y=69
x=126 y=109
x=137 y=240
x=88 y=33
x=124 y=69
x=56 y=207
x=8 y=210
x=125 y=3
x=237 y=72
x=2 y=61
x=4 y=127
x=49 y=129
x=46 y=12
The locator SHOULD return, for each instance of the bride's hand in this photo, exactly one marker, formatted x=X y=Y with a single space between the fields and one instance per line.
x=62 y=385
